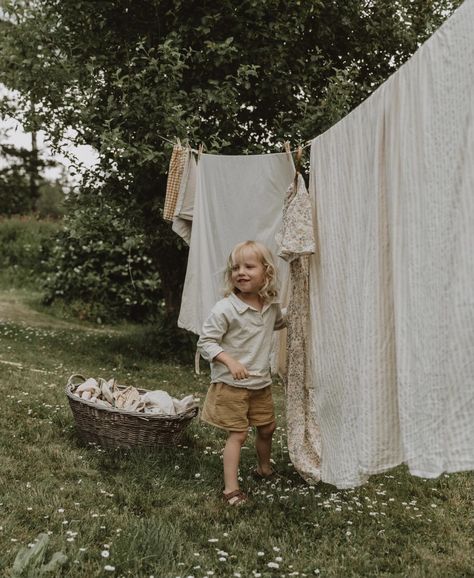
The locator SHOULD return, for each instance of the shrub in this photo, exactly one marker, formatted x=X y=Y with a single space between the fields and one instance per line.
x=51 y=200
x=26 y=246
x=101 y=267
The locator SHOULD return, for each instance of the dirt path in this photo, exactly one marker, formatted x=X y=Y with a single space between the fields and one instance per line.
x=15 y=309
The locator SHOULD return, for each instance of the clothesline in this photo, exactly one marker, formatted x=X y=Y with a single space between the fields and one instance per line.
x=202 y=146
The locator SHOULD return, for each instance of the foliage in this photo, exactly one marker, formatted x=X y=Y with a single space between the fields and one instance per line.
x=16 y=197
x=161 y=514
x=102 y=265
x=51 y=200
x=239 y=76
x=29 y=562
x=23 y=188
x=27 y=245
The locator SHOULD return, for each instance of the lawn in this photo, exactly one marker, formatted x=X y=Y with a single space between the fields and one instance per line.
x=159 y=513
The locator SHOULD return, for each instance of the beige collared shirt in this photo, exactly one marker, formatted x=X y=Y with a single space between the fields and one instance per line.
x=244 y=333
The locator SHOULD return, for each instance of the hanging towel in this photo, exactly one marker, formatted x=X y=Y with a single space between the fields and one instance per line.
x=183 y=215
x=391 y=286
x=175 y=173
x=295 y=244
x=237 y=198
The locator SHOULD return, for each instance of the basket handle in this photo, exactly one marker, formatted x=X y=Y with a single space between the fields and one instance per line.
x=73 y=376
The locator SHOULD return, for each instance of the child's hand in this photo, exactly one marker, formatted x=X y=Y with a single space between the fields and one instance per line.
x=238 y=370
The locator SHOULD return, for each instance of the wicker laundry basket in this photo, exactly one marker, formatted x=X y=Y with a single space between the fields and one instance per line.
x=116 y=428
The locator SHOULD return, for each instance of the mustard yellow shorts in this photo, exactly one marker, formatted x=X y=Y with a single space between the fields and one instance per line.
x=236 y=408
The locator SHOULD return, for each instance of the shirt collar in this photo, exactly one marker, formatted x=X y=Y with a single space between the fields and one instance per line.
x=241 y=306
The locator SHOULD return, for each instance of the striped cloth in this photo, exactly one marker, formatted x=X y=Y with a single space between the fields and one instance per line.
x=391 y=284
x=175 y=174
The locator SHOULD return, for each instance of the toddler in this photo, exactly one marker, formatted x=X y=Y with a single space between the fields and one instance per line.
x=236 y=339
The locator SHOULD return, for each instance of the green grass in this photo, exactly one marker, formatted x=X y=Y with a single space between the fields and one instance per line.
x=160 y=513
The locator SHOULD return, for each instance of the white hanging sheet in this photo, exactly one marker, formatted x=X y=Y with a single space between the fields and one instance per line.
x=237 y=198
x=392 y=281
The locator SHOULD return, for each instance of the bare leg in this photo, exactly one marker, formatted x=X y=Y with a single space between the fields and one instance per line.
x=232 y=459
x=263 y=444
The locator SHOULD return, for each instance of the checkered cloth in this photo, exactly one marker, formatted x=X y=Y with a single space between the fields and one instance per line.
x=175 y=174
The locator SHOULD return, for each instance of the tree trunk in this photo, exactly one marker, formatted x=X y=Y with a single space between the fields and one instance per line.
x=172 y=262
x=33 y=167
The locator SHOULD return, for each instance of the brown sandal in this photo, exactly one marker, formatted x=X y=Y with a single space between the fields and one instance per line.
x=256 y=475
x=235 y=498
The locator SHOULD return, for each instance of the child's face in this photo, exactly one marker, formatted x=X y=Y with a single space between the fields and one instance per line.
x=248 y=272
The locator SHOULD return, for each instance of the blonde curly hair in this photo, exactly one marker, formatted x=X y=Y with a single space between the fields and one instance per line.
x=269 y=291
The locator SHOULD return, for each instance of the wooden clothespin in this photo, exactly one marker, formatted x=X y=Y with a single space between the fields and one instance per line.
x=287 y=148
x=299 y=154
x=200 y=150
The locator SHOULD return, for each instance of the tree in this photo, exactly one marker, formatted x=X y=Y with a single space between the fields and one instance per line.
x=23 y=186
x=240 y=76
x=20 y=178
x=15 y=192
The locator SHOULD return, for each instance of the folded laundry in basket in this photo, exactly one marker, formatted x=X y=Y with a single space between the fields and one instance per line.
x=110 y=394
x=158 y=401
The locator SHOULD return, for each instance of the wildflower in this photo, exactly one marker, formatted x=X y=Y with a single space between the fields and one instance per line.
x=109 y=568
x=105 y=553
x=260 y=553
x=273 y=565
